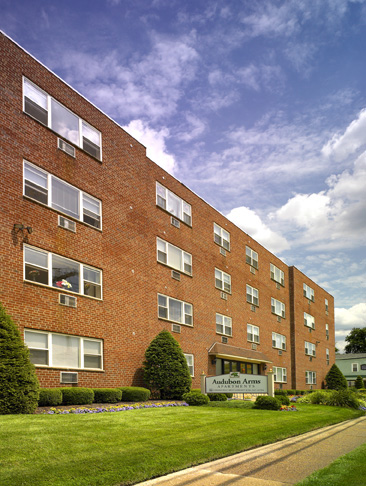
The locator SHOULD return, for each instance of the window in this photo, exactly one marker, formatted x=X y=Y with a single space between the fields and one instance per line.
x=252 y=333
x=277 y=275
x=57 y=194
x=277 y=307
x=310 y=377
x=327 y=331
x=167 y=200
x=175 y=310
x=309 y=320
x=252 y=295
x=251 y=257
x=174 y=257
x=354 y=367
x=190 y=363
x=309 y=349
x=223 y=325
x=221 y=237
x=64 y=351
x=222 y=281
x=279 y=341
x=308 y=292
x=327 y=354
x=280 y=374
x=55 y=271
x=45 y=109
x=326 y=305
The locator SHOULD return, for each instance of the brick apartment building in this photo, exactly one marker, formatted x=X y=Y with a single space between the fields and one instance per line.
x=101 y=249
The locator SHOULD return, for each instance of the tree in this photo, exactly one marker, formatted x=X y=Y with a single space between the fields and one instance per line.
x=19 y=388
x=335 y=380
x=356 y=340
x=165 y=367
x=359 y=382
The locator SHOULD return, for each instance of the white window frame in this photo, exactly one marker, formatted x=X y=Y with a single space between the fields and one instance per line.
x=81 y=354
x=163 y=194
x=310 y=377
x=354 y=365
x=309 y=321
x=221 y=237
x=81 y=194
x=222 y=281
x=252 y=333
x=277 y=275
x=326 y=305
x=280 y=374
x=80 y=142
x=190 y=363
x=226 y=324
x=275 y=305
x=310 y=349
x=278 y=341
x=308 y=292
x=251 y=257
x=164 y=248
x=186 y=310
x=327 y=330
x=82 y=281
x=252 y=295
x=327 y=354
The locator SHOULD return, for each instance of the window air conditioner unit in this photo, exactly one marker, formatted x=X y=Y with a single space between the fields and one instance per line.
x=67 y=224
x=176 y=328
x=68 y=300
x=223 y=295
x=279 y=352
x=252 y=308
x=176 y=275
x=310 y=358
x=252 y=269
x=223 y=251
x=224 y=340
x=175 y=222
x=254 y=346
x=68 y=378
x=278 y=286
x=279 y=319
x=66 y=147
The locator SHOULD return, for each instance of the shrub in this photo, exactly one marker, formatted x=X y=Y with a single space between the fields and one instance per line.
x=303 y=399
x=217 y=397
x=77 y=396
x=300 y=392
x=359 y=382
x=284 y=400
x=135 y=394
x=362 y=390
x=49 y=397
x=291 y=392
x=196 y=390
x=196 y=399
x=229 y=395
x=19 y=387
x=343 y=398
x=280 y=393
x=319 y=397
x=107 y=395
x=267 y=403
x=335 y=379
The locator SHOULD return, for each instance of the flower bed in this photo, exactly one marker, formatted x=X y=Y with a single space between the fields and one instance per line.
x=112 y=408
x=291 y=408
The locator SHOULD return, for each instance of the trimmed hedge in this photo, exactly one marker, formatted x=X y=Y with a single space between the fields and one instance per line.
x=280 y=393
x=267 y=403
x=284 y=400
x=291 y=392
x=107 y=395
x=196 y=399
x=49 y=397
x=217 y=397
x=135 y=393
x=77 y=396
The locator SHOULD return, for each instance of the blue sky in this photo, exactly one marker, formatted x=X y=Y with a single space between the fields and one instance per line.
x=257 y=106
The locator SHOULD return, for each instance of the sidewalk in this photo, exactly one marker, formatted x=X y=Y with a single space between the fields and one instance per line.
x=283 y=463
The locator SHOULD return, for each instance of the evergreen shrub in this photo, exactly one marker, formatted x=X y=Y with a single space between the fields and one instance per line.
x=195 y=390
x=280 y=392
x=229 y=395
x=267 y=403
x=335 y=380
x=19 y=387
x=77 y=396
x=107 y=395
x=284 y=400
x=359 y=382
x=217 y=397
x=291 y=392
x=196 y=399
x=319 y=397
x=343 y=398
x=135 y=394
x=49 y=397
x=165 y=367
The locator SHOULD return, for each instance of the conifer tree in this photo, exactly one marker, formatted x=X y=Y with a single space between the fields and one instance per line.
x=359 y=382
x=19 y=388
x=165 y=367
x=335 y=380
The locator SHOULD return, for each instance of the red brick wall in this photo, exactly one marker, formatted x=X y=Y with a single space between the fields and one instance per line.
x=127 y=318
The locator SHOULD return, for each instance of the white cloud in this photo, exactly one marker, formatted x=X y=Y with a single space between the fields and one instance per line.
x=193 y=128
x=154 y=141
x=346 y=320
x=250 y=222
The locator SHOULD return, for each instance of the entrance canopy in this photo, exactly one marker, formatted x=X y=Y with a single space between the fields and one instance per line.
x=226 y=351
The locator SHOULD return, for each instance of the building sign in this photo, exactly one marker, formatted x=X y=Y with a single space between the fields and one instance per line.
x=236 y=382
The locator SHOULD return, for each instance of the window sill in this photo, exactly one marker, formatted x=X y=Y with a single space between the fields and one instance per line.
x=220 y=246
x=222 y=290
x=175 y=269
x=62 y=290
x=175 y=322
x=254 y=342
x=223 y=334
x=68 y=368
x=279 y=349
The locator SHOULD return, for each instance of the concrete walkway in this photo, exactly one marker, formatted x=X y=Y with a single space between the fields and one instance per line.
x=283 y=463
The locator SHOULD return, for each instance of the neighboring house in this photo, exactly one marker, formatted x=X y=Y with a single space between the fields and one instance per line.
x=101 y=249
x=352 y=366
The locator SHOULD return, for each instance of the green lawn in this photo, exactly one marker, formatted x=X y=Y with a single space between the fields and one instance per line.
x=128 y=447
x=348 y=470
